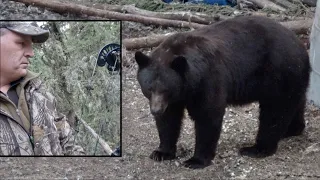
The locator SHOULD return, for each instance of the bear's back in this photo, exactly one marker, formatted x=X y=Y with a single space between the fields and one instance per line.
x=242 y=37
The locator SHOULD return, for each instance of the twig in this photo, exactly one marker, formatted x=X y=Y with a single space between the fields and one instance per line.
x=103 y=144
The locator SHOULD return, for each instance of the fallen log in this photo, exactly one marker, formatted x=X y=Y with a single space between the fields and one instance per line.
x=196 y=17
x=310 y=3
x=180 y=15
x=183 y=16
x=150 y=41
x=284 y=3
x=277 y=17
x=80 y=9
x=267 y=4
x=299 y=27
x=103 y=144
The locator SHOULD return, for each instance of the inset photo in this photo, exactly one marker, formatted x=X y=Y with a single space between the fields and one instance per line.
x=60 y=88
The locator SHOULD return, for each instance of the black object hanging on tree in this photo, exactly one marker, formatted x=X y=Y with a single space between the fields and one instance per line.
x=110 y=56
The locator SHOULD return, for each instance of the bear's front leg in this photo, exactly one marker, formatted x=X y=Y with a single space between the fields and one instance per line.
x=208 y=127
x=168 y=125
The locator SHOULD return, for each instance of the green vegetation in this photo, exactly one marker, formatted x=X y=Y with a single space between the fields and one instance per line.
x=66 y=62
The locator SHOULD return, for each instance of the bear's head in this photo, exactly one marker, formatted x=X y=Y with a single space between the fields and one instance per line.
x=162 y=83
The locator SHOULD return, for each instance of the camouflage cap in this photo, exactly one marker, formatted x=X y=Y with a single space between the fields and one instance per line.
x=37 y=34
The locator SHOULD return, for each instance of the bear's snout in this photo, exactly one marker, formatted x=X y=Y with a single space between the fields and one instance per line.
x=158 y=104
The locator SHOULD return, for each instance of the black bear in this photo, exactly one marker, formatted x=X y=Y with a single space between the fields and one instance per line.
x=233 y=62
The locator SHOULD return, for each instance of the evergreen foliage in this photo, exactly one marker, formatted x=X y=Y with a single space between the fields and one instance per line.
x=66 y=63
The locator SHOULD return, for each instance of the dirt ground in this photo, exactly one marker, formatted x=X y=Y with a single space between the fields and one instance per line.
x=296 y=158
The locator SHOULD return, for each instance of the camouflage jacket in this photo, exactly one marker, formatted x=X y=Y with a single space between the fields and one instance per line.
x=34 y=127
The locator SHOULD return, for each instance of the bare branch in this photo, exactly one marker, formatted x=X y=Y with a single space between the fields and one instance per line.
x=80 y=9
x=103 y=144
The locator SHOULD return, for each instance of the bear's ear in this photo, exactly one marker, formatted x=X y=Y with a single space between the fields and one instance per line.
x=141 y=59
x=179 y=64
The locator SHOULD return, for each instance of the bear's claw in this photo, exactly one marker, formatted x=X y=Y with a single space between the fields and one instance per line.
x=195 y=163
x=160 y=156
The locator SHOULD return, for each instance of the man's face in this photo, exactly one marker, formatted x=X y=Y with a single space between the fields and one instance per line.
x=15 y=51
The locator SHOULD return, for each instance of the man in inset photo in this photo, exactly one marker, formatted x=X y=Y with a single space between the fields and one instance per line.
x=54 y=98
x=29 y=121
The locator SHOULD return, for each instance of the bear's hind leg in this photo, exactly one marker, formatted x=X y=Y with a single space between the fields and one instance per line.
x=168 y=126
x=274 y=122
x=297 y=124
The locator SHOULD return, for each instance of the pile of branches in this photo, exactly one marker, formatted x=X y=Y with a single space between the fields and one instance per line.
x=276 y=9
